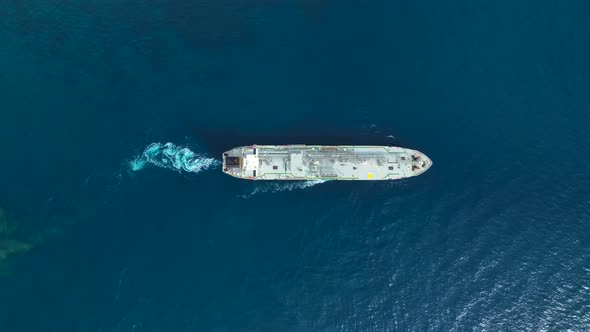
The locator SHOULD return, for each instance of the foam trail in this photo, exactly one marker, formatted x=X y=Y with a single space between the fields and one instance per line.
x=283 y=186
x=170 y=156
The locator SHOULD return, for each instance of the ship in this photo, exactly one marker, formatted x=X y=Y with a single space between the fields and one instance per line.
x=324 y=162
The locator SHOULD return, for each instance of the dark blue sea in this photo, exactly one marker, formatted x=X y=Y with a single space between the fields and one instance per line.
x=95 y=235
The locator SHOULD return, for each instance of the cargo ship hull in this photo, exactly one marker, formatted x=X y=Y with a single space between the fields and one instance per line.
x=321 y=162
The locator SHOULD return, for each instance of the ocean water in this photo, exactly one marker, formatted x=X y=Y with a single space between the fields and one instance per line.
x=101 y=230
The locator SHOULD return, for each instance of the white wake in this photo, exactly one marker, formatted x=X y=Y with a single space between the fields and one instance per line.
x=275 y=187
x=173 y=157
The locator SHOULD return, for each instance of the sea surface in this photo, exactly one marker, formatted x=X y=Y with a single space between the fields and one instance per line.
x=104 y=227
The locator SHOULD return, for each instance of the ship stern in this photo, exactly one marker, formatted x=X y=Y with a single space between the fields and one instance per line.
x=231 y=164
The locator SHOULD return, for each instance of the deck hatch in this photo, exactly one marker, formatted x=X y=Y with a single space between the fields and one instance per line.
x=232 y=161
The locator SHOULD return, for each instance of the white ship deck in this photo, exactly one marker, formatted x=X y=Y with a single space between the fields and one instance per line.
x=316 y=162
